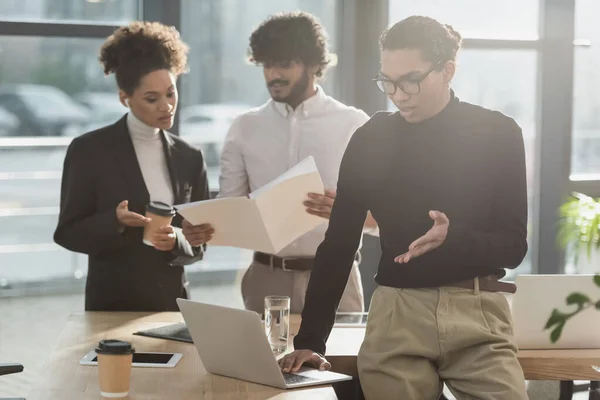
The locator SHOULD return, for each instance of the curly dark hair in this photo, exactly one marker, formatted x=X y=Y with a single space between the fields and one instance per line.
x=139 y=48
x=285 y=37
x=438 y=42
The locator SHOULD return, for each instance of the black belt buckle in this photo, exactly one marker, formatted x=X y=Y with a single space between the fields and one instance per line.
x=283 y=267
x=283 y=260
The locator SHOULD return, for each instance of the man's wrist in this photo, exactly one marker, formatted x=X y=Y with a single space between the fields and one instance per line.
x=304 y=343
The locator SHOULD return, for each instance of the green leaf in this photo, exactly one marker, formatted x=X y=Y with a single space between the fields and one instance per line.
x=579 y=225
x=598 y=305
x=556 y=318
x=556 y=332
x=597 y=280
x=578 y=298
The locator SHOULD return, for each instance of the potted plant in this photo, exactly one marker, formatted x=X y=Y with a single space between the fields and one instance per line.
x=579 y=230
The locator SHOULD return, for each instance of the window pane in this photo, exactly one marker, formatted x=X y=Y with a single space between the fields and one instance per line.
x=97 y=11
x=509 y=19
x=53 y=88
x=585 y=151
x=512 y=91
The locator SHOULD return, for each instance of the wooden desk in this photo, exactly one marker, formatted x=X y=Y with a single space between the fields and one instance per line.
x=560 y=365
x=65 y=379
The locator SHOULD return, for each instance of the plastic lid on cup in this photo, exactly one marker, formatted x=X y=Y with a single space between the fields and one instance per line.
x=114 y=347
x=160 y=208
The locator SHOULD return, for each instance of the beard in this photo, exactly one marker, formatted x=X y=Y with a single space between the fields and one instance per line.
x=297 y=90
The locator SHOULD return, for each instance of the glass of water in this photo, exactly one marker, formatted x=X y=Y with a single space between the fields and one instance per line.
x=277 y=322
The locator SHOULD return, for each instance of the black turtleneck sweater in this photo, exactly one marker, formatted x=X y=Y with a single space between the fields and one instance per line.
x=467 y=162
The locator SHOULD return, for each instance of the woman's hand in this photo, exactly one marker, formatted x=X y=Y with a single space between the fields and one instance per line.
x=164 y=239
x=129 y=218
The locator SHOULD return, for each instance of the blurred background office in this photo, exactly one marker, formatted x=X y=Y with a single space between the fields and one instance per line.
x=535 y=60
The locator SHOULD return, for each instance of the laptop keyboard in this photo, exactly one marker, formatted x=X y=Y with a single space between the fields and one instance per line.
x=291 y=379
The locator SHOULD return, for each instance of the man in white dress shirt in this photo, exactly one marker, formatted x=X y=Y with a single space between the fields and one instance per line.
x=299 y=120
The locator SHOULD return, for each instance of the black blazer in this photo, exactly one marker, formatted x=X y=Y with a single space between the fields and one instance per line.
x=124 y=274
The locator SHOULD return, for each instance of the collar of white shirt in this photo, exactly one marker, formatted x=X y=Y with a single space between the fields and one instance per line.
x=308 y=107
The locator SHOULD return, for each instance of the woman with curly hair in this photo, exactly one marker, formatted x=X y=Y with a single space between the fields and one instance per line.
x=110 y=175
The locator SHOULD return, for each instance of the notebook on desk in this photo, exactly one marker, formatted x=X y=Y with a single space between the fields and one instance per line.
x=178 y=332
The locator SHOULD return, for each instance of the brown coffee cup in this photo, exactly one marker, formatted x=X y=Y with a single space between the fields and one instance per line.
x=114 y=367
x=160 y=214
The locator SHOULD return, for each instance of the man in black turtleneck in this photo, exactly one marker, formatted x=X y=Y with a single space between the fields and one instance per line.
x=445 y=181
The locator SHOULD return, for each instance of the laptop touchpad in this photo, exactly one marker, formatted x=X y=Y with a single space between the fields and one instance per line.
x=292 y=379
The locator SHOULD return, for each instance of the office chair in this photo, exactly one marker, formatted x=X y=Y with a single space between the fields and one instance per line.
x=6 y=369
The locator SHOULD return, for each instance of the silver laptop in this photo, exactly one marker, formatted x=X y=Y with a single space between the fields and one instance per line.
x=538 y=295
x=232 y=343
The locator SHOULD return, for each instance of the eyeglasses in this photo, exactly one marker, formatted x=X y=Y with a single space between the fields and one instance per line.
x=409 y=86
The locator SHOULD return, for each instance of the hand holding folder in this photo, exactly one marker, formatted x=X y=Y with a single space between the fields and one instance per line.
x=268 y=219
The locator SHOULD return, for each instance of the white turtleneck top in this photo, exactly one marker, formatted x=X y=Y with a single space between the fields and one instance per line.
x=151 y=158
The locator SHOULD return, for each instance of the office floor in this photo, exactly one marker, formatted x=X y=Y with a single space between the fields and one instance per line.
x=30 y=326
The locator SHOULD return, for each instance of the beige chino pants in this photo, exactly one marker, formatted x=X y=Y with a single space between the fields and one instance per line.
x=418 y=339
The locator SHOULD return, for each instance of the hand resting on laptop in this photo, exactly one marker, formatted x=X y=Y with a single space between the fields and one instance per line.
x=293 y=362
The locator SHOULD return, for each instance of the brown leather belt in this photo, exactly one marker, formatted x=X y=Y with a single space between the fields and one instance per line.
x=288 y=263
x=487 y=283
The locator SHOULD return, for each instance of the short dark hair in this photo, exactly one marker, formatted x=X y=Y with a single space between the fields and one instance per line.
x=285 y=37
x=438 y=42
x=139 y=48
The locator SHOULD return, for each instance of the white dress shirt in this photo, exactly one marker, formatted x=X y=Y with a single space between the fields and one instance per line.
x=151 y=157
x=265 y=142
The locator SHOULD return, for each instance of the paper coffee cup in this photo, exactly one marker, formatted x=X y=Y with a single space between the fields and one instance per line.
x=114 y=367
x=161 y=214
